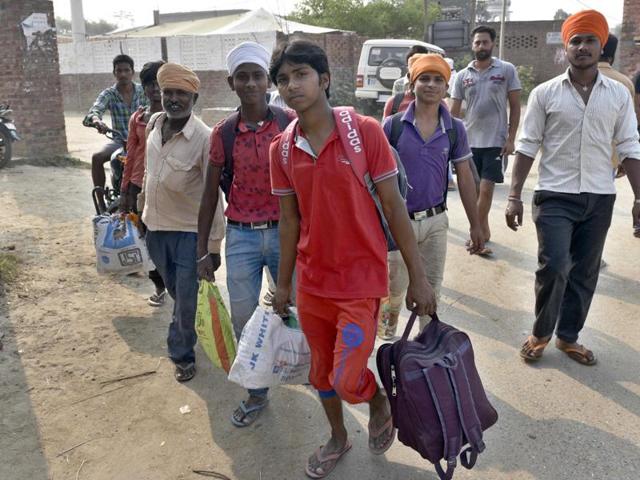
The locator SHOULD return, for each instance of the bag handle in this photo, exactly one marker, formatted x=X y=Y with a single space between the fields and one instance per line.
x=412 y=320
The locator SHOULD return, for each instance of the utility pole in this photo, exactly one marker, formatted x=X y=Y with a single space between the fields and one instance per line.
x=426 y=20
x=503 y=17
x=472 y=20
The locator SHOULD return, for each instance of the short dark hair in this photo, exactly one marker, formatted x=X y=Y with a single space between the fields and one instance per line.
x=298 y=52
x=484 y=29
x=609 y=49
x=149 y=72
x=122 y=58
x=416 y=49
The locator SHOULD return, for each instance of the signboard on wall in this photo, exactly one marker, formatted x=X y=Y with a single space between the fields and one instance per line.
x=554 y=38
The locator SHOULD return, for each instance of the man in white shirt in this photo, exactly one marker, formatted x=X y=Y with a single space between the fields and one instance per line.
x=574 y=119
x=176 y=158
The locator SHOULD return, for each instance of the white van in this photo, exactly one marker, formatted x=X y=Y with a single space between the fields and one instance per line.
x=381 y=63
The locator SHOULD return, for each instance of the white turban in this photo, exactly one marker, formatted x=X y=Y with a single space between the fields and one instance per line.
x=248 y=52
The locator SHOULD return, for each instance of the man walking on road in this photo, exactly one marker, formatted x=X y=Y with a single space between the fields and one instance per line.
x=330 y=231
x=487 y=84
x=253 y=211
x=427 y=138
x=175 y=172
x=574 y=119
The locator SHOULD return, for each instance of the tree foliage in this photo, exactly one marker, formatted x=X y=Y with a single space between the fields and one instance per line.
x=560 y=14
x=376 y=18
x=92 y=28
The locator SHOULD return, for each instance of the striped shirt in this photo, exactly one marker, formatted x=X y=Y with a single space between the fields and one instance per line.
x=577 y=139
x=110 y=99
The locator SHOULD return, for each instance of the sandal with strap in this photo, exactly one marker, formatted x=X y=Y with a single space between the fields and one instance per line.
x=247 y=415
x=532 y=349
x=386 y=432
x=185 y=371
x=330 y=462
x=577 y=352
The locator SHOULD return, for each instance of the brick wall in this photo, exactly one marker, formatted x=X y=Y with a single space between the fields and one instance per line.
x=526 y=44
x=629 y=47
x=80 y=90
x=30 y=80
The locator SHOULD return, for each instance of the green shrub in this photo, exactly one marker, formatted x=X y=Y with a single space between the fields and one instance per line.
x=527 y=80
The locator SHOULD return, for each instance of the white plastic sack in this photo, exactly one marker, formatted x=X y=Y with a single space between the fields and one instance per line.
x=270 y=353
x=119 y=246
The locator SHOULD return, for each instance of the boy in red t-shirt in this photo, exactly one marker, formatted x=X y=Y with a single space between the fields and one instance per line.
x=252 y=212
x=330 y=232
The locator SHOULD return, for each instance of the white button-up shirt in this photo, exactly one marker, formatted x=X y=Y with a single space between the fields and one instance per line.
x=577 y=140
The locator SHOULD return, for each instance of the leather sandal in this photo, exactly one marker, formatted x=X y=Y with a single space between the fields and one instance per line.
x=577 y=352
x=329 y=461
x=531 y=350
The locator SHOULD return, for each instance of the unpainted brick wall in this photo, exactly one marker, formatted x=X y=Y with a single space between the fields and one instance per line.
x=629 y=51
x=30 y=81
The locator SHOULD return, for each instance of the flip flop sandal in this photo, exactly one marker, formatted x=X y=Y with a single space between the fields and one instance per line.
x=185 y=372
x=485 y=252
x=579 y=353
x=532 y=352
x=388 y=431
x=248 y=414
x=332 y=460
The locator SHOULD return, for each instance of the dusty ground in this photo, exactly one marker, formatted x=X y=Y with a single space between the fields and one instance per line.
x=69 y=333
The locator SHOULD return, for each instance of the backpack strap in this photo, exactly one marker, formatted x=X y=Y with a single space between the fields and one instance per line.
x=349 y=134
x=285 y=144
x=397 y=125
x=229 y=131
x=443 y=395
x=152 y=124
x=281 y=116
x=397 y=100
x=452 y=135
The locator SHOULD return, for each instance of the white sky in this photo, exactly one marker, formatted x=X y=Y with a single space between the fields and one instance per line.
x=139 y=12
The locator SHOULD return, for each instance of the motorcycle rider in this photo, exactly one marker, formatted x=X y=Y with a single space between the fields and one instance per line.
x=121 y=99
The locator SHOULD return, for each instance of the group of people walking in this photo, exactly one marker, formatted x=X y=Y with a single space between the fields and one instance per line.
x=297 y=206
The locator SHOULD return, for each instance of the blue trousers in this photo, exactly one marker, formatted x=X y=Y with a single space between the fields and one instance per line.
x=174 y=254
x=247 y=253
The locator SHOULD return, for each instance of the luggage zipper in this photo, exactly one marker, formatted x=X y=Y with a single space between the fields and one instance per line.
x=393 y=381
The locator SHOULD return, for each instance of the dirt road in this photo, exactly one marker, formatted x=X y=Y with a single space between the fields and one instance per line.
x=70 y=334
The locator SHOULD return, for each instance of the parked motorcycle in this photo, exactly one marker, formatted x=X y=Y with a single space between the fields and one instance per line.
x=8 y=134
x=107 y=200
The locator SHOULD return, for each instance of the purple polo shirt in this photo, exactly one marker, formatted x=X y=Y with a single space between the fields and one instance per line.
x=426 y=161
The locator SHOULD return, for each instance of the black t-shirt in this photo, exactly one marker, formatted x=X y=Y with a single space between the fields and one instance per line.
x=636 y=83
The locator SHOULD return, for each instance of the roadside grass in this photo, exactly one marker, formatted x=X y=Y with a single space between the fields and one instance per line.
x=9 y=266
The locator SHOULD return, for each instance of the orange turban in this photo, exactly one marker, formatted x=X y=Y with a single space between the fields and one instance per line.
x=428 y=62
x=173 y=75
x=586 y=21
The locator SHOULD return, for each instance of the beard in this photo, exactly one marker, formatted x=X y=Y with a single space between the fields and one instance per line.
x=483 y=54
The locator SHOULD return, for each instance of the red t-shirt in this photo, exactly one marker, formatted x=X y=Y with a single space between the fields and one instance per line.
x=342 y=251
x=136 y=145
x=250 y=199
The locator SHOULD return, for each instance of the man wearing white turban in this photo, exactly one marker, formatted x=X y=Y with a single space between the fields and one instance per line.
x=239 y=163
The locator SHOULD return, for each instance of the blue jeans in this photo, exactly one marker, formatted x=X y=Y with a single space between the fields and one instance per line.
x=247 y=253
x=174 y=254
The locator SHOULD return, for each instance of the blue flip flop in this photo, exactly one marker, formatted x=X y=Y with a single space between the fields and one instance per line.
x=249 y=414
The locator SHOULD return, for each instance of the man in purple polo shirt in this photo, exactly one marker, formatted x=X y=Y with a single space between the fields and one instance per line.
x=424 y=145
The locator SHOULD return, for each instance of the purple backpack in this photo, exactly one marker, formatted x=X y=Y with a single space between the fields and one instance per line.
x=437 y=399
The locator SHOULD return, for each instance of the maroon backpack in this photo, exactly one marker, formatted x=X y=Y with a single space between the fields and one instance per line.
x=437 y=399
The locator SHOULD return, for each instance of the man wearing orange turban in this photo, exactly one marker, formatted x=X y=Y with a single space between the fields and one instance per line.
x=177 y=155
x=575 y=120
x=427 y=138
x=586 y=21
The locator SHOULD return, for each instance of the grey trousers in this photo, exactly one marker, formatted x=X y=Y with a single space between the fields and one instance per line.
x=572 y=229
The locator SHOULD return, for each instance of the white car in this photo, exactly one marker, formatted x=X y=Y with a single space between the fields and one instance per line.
x=381 y=63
